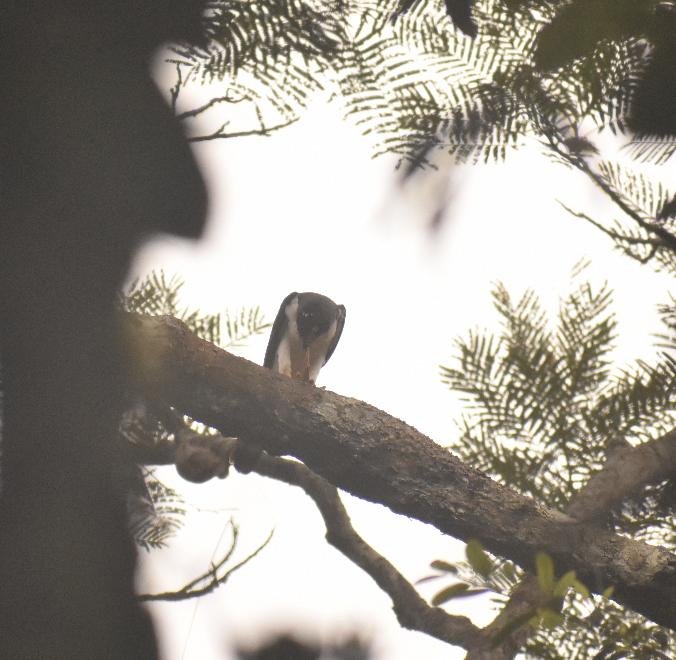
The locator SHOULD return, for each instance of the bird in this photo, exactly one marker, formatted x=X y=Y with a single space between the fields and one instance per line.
x=304 y=335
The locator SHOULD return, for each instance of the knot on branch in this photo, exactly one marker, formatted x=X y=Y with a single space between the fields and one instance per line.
x=200 y=458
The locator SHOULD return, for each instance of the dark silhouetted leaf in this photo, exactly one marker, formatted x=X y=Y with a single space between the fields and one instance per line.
x=455 y=590
x=477 y=558
x=580 y=145
x=460 y=12
x=403 y=7
x=651 y=111
x=580 y=26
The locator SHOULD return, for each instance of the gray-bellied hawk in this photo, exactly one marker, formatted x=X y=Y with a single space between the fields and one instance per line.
x=304 y=335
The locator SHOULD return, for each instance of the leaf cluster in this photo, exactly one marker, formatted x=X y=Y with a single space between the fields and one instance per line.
x=156 y=296
x=607 y=631
x=405 y=80
x=405 y=73
x=150 y=425
x=167 y=518
x=543 y=70
x=572 y=624
x=544 y=403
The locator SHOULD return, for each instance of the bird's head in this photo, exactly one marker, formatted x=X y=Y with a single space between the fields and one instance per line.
x=315 y=315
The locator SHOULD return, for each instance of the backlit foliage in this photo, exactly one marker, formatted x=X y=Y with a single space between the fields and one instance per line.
x=416 y=81
x=553 y=74
x=154 y=521
x=544 y=404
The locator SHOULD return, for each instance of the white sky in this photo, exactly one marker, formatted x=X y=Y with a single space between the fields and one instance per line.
x=309 y=210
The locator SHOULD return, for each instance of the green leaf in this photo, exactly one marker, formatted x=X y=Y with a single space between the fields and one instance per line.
x=544 y=568
x=608 y=593
x=441 y=565
x=581 y=589
x=454 y=591
x=565 y=583
x=550 y=619
x=477 y=558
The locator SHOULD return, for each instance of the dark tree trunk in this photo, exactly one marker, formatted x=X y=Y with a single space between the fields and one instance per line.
x=90 y=160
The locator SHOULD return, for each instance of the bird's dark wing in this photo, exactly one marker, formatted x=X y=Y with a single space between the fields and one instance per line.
x=339 y=331
x=278 y=330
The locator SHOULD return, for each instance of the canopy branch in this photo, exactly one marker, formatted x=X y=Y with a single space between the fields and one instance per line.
x=626 y=469
x=377 y=457
x=410 y=608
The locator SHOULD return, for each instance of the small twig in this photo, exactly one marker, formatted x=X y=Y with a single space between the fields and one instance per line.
x=410 y=608
x=654 y=242
x=174 y=91
x=669 y=240
x=220 y=99
x=188 y=591
x=221 y=134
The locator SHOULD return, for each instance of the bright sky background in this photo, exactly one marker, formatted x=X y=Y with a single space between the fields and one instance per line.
x=309 y=210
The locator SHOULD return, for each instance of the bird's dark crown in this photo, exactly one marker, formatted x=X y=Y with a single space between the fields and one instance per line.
x=315 y=315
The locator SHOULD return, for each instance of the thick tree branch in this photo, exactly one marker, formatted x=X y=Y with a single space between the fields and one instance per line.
x=410 y=608
x=379 y=458
x=627 y=469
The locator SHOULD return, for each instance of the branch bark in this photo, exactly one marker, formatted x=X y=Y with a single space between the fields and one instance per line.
x=410 y=608
x=379 y=458
x=214 y=455
x=626 y=469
